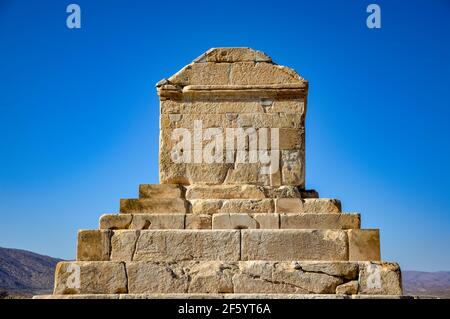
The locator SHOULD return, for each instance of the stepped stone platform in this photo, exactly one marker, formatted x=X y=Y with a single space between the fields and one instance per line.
x=230 y=229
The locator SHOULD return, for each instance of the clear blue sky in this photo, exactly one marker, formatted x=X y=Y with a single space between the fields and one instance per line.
x=79 y=111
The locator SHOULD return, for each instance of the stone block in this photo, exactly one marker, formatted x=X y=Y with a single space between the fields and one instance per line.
x=93 y=245
x=349 y=288
x=380 y=278
x=123 y=244
x=289 y=205
x=293 y=167
x=320 y=221
x=90 y=277
x=178 y=245
x=321 y=205
x=120 y=221
x=224 y=192
x=245 y=221
x=153 y=206
x=282 y=277
x=158 y=221
x=194 y=221
x=364 y=244
x=287 y=244
x=160 y=191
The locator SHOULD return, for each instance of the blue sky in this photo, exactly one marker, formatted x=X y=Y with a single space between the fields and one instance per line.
x=79 y=111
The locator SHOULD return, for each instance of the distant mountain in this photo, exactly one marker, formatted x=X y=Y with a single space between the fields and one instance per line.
x=25 y=273
x=427 y=283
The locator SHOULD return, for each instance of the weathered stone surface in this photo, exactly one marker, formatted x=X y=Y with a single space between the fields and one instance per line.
x=267 y=221
x=321 y=205
x=307 y=205
x=380 y=278
x=90 y=277
x=245 y=221
x=293 y=167
x=93 y=245
x=194 y=221
x=345 y=269
x=320 y=221
x=287 y=244
x=158 y=221
x=282 y=277
x=349 y=288
x=160 y=191
x=248 y=73
x=212 y=277
x=216 y=206
x=224 y=192
x=109 y=221
x=364 y=244
x=151 y=277
x=153 y=206
x=178 y=245
x=123 y=244
x=220 y=55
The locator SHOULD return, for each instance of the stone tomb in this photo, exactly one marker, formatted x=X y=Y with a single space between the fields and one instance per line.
x=231 y=217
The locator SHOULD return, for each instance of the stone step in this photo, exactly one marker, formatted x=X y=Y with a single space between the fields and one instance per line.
x=221 y=277
x=228 y=245
x=230 y=221
x=154 y=206
x=161 y=191
x=246 y=192
x=266 y=205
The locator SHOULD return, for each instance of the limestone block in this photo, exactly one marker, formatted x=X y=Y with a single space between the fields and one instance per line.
x=109 y=221
x=287 y=244
x=283 y=191
x=246 y=73
x=209 y=173
x=194 y=221
x=202 y=74
x=152 y=277
x=153 y=206
x=247 y=206
x=123 y=244
x=90 y=277
x=380 y=278
x=220 y=55
x=157 y=221
x=307 y=205
x=267 y=221
x=177 y=245
x=245 y=221
x=269 y=120
x=349 y=288
x=234 y=221
x=289 y=205
x=344 y=269
x=212 y=277
x=211 y=107
x=291 y=106
x=293 y=167
x=206 y=206
x=224 y=192
x=364 y=244
x=320 y=221
x=215 y=206
x=248 y=173
x=160 y=191
x=290 y=139
x=93 y=245
x=321 y=205
x=282 y=277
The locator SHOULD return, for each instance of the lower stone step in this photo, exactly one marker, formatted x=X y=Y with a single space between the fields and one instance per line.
x=219 y=277
x=228 y=245
x=230 y=221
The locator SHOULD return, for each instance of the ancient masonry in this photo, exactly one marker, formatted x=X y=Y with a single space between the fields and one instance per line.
x=224 y=229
